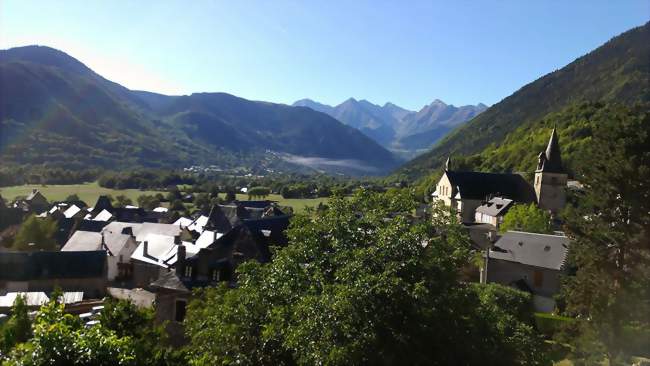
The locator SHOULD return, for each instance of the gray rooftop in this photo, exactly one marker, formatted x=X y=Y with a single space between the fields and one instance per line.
x=497 y=206
x=539 y=250
x=82 y=241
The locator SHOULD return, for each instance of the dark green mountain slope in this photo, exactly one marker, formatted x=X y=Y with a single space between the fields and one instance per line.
x=618 y=71
x=56 y=111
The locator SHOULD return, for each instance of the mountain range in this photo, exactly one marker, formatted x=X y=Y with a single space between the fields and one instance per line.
x=508 y=135
x=56 y=111
x=402 y=131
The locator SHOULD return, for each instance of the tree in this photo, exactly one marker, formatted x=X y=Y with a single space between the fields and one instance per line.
x=123 y=201
x=527 y=218
x=262 y=192
x=149 y=341
x=610 y=232
x=73 y=197
x=18 y=328
x=230 y=194
x=148 y=202
x=359 y=283
x=61 y=339
x=36 y=234
x=202 y=202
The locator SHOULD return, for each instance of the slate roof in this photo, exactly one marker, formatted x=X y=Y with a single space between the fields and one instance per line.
x=71 y=211
x=550 y=160
x=142 y=230
x=169 y=281
x=497 y=206
x=83 y=241
x=103 y=215
x=255 y=204
x=539 y=250
x=183 y=222
x=479 y=185
x=24 y=266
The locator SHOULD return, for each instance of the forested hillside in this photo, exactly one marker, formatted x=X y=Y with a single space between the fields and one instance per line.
x=55 y=111
x=617 y=72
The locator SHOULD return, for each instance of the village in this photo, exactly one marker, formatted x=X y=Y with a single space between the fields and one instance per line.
x=141 y=256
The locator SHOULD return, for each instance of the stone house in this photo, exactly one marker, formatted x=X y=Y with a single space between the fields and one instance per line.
x=530 y=262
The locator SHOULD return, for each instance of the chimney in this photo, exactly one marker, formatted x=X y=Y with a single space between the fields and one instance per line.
x=145 y=248
x=128 y=230
x=177 y=240
x=34 y=190
x=180 y=261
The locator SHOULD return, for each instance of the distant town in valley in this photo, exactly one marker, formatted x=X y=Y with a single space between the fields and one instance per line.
x=140 y=228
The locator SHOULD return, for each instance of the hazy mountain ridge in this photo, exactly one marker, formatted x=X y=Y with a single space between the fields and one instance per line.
x=55 y=110
x=397 y=128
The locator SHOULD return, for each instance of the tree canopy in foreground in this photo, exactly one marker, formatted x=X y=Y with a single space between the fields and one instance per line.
x=360 y=283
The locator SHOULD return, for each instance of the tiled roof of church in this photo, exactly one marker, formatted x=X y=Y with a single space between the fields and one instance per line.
x=479 y=185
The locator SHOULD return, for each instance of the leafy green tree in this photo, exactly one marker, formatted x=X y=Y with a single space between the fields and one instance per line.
x=61 y=339
x=230 y=194
x=359 y=283
x=202 y=202
x=37 y=231
x=262 y=192
x=18 y=328
x=149 y=341
x=610 y=232
x=73 y=197
x=122 y=201
x=148 y=202
x=527 y=218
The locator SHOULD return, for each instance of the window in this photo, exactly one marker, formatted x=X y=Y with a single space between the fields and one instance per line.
x=179 y=316
x=538 y=278
x=188 y=271
x=216 y=275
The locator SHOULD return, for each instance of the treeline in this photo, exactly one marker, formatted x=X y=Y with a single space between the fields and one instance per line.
x=145 y=179
x=17 y=175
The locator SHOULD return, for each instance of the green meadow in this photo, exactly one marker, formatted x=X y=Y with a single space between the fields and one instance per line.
x=88 y=192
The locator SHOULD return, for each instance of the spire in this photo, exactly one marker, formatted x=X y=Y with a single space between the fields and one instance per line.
x=448 y=164
x=551 y=161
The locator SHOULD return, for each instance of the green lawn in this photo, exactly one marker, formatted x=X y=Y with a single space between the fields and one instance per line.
x=87 y=192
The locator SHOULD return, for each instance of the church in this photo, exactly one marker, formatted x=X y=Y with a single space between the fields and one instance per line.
x=472 y=194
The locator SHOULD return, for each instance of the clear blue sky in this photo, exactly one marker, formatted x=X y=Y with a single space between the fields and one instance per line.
x=406 y=52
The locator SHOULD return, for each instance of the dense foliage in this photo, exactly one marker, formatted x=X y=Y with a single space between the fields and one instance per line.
x=36 y=234
x=610 y=228
x=527 y=218
x=61 y=339
x=360 y=283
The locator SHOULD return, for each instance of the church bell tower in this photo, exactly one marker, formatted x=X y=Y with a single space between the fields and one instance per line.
x=550 y=177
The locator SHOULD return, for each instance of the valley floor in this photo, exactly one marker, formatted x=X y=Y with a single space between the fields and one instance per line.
x=89 y=192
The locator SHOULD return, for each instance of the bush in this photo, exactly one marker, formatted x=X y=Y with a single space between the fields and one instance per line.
x=549 y=324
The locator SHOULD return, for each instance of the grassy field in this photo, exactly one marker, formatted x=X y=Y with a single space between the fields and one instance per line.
x=89 y=192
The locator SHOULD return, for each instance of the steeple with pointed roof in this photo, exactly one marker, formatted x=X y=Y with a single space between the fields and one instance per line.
x=448 y=164
x=550 y=177
x=550 y=160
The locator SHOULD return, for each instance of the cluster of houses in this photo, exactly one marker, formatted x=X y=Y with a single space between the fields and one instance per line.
x=136 y=254
x=531 y=262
